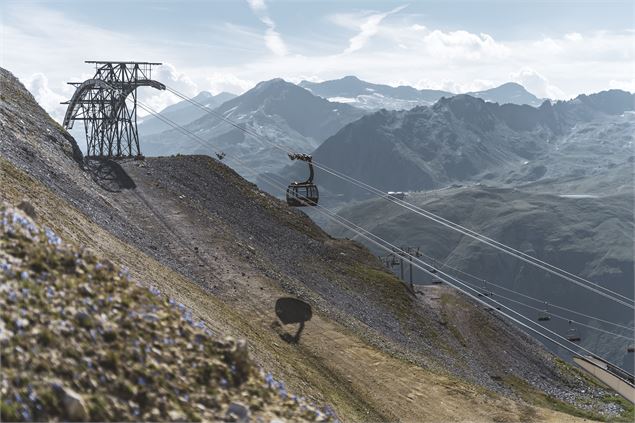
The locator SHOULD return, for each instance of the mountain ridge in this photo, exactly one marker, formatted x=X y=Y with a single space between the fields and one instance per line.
x=372 y=96
x=463 y=138
x=281 y=112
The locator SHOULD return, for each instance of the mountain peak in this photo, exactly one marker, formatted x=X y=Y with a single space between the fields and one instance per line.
x=514 y=85
x=275 y=82
x=509 y=92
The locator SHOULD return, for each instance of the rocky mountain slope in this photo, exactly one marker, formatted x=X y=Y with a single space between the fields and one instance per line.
x=282 y=112
x=365 y=95
x=182 y=112
x=590 y=236
x=466 y=139
x=192 y=228
x=83 y=342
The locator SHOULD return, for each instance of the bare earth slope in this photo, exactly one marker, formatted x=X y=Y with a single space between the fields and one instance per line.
x=196 y=230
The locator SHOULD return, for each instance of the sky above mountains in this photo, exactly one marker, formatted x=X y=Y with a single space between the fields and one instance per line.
x=556 y=49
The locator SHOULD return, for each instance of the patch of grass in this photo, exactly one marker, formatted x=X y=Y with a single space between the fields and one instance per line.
x=386 y=286
x=9 y=412
x=540 y=399
x=628 y=415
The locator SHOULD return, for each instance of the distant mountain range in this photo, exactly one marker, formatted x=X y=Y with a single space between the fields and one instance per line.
x=182 y=112
x=463 y=138
x=369 y=96
x=366 y=95
x=279 y=111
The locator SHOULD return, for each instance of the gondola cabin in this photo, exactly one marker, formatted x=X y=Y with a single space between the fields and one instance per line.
x=572 y=334
x=300 y=194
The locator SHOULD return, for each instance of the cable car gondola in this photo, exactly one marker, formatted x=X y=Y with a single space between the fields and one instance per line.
x=544 y=315
x=305 y=193
x=572 y=334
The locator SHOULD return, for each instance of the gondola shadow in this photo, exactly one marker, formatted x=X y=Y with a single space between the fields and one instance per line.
x=109 y=175
x=291 y=311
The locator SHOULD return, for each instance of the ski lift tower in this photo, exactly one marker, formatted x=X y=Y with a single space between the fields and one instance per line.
x=109 y=115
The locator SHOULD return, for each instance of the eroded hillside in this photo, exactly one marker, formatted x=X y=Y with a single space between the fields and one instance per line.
x=194 y=229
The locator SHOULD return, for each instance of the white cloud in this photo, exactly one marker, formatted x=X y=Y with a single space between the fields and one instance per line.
x=50 y=100
x=272 y=38
x=463 y=45
x=159 y=100
x=368 y=26
x=536 y=84
x=626 y=85
x=228 y=82
x=573 y=36
x=257 y=5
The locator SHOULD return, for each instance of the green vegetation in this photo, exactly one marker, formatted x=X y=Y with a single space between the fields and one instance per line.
x=540 y=399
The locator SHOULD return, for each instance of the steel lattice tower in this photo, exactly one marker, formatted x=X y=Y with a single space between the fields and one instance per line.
x=107 y=104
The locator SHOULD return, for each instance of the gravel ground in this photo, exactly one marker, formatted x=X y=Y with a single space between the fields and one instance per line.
x=80 y=341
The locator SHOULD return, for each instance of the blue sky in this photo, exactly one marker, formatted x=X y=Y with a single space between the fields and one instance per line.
x=556 y=49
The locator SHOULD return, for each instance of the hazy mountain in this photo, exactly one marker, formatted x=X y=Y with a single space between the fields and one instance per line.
x=182 y=112
x=281 y=112
x=510 y=92
x=587 y=235
x=370 y=96
x=467 y=139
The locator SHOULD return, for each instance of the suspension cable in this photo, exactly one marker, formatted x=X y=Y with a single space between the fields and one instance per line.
x=584 y=283
x=445 y=265
x=487 y=282
x=457 y=284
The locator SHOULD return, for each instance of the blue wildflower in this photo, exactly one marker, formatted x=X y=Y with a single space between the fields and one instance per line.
x=26 y=414
x=52 y=237
x=24 y=275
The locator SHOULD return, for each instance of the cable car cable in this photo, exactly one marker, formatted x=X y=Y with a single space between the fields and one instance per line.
x=479 y=237
x=445 y=277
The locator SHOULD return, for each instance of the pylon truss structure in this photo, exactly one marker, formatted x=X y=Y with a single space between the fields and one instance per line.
x=110 y=121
